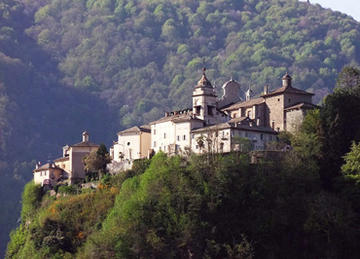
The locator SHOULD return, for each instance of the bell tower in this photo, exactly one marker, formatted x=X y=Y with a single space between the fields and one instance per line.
x=204 y=100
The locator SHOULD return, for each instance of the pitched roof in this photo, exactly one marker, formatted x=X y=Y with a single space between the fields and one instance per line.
x=135 y=129
x=239 y=119
x=235 y=126
x=249 y=103
x=301 y=106
x=176 y=118
x=61 y=159
x=287 y=89
x=85 y=144
x=219 y=126
x=46 y=167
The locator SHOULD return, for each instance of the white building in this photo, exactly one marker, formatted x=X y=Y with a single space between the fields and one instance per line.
x=132 y=144
x=48 y=174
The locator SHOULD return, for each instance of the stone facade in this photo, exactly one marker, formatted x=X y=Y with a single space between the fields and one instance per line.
x=270 y=109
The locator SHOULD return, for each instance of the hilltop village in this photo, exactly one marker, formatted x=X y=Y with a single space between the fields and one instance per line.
x=212 y=124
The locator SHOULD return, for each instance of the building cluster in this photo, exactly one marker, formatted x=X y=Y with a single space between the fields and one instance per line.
x=212 y=124
x=215 y=124
x=69 y=167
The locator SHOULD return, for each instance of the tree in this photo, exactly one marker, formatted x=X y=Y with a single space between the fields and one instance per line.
x=338 y=128
x=95 y=163
x=352 y=160
x=349 y=77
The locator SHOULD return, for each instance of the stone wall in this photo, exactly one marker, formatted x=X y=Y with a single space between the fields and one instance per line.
x=275 y=106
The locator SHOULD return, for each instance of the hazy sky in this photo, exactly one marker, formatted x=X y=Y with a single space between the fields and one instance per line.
x=350 y=7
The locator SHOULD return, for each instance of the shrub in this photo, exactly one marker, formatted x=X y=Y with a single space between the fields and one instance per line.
x=31 y=199
x=68 y=189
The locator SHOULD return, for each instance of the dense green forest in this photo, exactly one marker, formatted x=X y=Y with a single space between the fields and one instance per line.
x=303 y=203
x=103 y=65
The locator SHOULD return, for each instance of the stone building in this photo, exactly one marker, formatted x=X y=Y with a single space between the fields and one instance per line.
x=282 y=109
x=71 y=163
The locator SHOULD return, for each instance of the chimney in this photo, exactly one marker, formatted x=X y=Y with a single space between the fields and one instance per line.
x=257 y=122
x=38 y=165
x=85 y=137
x=286 y=80
x=266 y=89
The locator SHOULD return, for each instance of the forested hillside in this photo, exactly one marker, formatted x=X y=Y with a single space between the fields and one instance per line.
x=143 y=57
x=103 y=65
x=37 y=114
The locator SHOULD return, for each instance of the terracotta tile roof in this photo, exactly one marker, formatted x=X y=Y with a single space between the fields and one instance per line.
x=251 y=102
x=301 y=106
x=288 y=89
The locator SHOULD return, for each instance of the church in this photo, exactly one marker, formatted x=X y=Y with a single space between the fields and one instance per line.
x=215 y=124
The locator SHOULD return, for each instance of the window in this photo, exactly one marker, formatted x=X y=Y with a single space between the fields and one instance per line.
x=128 y=143
x=178 y=138
x=278 y=129
x=261 y=136
x=164 y=135
x=184 y=137
x=154 y=131
x=197 y=110
x=289 y=100
x=192 y=136
x=278 y=99
x=210 y=110
x=197 y=146
x=273 y=125
x=154 y=143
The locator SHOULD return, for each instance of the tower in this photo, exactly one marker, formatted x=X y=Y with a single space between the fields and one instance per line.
x=204 y=100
